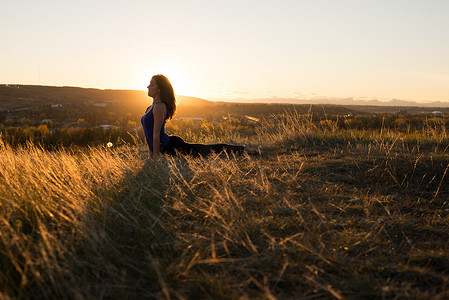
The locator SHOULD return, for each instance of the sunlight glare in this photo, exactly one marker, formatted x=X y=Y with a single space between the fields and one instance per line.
x=182 y=82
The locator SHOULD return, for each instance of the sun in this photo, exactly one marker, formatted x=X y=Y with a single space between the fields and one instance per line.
x=179 y=82
x=183 y=83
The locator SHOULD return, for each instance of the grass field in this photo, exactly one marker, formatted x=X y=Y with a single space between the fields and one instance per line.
x=322 y=213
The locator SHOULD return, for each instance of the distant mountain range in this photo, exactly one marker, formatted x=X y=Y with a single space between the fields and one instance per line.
x=346 y=101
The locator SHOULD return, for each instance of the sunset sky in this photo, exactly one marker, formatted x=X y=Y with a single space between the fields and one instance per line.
x=232 y=49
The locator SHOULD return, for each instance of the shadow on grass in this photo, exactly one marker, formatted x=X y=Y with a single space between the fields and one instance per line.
x=121 y=256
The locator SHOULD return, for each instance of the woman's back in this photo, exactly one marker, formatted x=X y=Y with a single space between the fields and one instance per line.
x=148 y=125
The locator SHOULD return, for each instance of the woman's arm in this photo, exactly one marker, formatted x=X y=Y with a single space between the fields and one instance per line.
x=159 y=113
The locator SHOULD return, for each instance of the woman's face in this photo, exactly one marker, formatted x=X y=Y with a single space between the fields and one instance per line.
x=153 y=89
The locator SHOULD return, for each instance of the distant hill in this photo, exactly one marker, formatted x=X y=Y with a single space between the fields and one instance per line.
x=13 y=97
x=22 y=96
x=17 y=97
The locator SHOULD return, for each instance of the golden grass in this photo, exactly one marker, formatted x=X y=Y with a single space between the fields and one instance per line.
x=322 y=213
x=48 y=200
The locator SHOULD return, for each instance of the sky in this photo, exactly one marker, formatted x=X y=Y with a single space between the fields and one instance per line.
x=222 y=50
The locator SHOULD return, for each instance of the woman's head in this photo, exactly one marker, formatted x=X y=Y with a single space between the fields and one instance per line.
x=161 y=85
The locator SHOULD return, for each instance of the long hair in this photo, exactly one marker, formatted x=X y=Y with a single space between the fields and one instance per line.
x=167 y=94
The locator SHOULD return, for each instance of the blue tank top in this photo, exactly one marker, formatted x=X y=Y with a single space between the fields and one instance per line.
x=148 y=124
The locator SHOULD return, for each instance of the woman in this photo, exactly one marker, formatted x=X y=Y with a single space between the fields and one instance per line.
x=163 y=108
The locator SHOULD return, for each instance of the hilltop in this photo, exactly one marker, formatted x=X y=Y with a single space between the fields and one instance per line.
x=24 y=96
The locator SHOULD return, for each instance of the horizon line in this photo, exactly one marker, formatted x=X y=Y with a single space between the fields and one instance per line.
x=363 y=99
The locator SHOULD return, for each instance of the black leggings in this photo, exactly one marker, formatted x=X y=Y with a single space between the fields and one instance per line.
x=177 y=145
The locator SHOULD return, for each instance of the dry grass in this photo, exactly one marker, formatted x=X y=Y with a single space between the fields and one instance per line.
x=323 y=213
